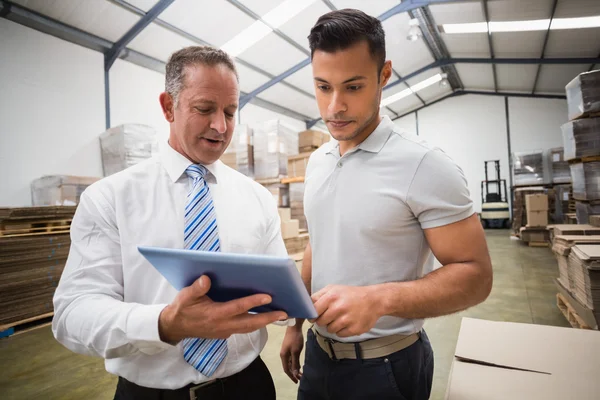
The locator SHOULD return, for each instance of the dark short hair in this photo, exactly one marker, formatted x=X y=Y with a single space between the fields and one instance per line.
x=341 y=29
x=190 y=56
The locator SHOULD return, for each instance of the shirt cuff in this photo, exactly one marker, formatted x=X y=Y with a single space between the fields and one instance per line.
x=142 y=329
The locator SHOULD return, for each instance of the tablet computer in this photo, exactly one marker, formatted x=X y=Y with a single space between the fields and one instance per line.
x=236 y=275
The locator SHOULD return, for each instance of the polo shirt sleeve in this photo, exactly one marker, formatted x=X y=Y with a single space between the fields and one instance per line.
x=438 y=194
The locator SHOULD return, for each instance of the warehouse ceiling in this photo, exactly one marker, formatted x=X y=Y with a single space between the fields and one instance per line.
x=529 y=47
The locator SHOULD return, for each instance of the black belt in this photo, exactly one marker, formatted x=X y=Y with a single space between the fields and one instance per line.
x=194 y=391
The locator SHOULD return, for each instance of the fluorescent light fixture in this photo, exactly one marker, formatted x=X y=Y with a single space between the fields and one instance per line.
x=413 y=89
x=519 y=26
x=427 y=82
x=259 y=29
x=246 y=38
x=524 y=26
x=476 y=27
x=395 y=97
x=576 y=23
x=286 y=11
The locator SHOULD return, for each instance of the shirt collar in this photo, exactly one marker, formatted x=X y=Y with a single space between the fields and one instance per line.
x=375 y=141
x=176 y=163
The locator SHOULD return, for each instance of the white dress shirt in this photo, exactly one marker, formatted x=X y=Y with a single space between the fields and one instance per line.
x=109 y=297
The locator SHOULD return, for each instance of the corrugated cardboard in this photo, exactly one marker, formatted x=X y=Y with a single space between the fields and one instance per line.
x=506 y=360
x=536 y=202
x=588 y=315
x=537 y=218
x=312 y=138
x=290 y=229
x=297 y=165
x=285 y=214
x=595 y=220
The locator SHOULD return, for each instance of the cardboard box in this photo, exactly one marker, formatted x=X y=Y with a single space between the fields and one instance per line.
x=537 y=218
x=285 y=214
x=312 y=139
x=536 y=202
x=290 y=229
x=534 y=234
x=297 y=165
x=56 y=190
x=506 y=360
x=595 y=220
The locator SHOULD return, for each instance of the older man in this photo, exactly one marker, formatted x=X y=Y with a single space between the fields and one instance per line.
x=112 y=303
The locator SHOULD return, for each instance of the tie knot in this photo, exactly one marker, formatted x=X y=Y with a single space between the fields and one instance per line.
x=196 y=171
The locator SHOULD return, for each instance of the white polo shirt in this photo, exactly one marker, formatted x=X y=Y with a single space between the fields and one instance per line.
x=367 y=211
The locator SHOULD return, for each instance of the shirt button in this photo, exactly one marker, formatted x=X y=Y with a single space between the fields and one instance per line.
x=339 y=164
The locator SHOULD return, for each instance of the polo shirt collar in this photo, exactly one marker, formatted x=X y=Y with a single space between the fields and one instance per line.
x=375 y=141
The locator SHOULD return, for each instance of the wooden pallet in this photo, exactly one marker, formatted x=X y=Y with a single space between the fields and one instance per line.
x=296 y=179
x=24 y=229
x=584 y=159
x=537 y=244
x=570 y=314
x=26 y=325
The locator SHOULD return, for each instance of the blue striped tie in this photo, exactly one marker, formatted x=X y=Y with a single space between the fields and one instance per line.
x=201 y=233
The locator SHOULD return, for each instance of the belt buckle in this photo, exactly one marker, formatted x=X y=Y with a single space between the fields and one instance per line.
x=193 y=389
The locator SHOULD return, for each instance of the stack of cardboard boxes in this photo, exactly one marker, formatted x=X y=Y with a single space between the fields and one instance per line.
x=34 y=245
x=535 y=233
x=59 y=190
x=289 y=227
x=519 y=209
x=581 y=137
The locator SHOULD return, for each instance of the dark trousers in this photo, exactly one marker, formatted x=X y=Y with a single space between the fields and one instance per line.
x=252 y=383
x=406 y=374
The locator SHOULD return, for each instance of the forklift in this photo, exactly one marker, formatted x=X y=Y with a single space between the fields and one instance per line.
x=495 y=211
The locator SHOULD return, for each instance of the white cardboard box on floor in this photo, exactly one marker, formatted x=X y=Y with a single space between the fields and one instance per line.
x=507 y=360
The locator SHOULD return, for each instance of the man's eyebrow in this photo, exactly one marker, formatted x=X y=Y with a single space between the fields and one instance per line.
x=354 y=78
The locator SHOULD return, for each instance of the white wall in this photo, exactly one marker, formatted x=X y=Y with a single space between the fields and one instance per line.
x=408 y=123
x=51 y=112
x=134 y=92
x=471 y=130
x=535 y=125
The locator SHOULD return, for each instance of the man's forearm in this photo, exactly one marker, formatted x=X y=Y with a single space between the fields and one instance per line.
x=450 y=289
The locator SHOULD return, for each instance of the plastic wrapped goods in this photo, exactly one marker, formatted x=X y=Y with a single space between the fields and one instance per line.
x=583 y=95
x=126 y=145
x=273 y=143
x=528 y=167
x=581 y=138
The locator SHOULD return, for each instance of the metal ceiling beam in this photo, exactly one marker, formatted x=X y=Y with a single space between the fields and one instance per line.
x=329 y=4
x=537 y=74
x=477 y=92
x=405 y=6
x=517 y=61
x=490 y=44
x=112 y=55
x=279 y=33
x=435 y=44
x=76 y=36
x=131 y=8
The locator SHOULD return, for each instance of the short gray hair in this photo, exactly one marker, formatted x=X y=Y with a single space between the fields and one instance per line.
x=190 y=56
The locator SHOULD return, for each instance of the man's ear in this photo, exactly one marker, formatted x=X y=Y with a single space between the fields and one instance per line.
x=386 y=73
x=167 y=105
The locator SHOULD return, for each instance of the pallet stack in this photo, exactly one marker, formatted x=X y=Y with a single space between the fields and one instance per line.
x=34 y=245
x=559 y=166
x=528 y=167
x=579 y=253
x=581 y=137
x=584 y=267
x=519 y=209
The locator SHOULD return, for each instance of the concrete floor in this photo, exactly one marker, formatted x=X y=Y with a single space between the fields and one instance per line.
x=37 y=367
